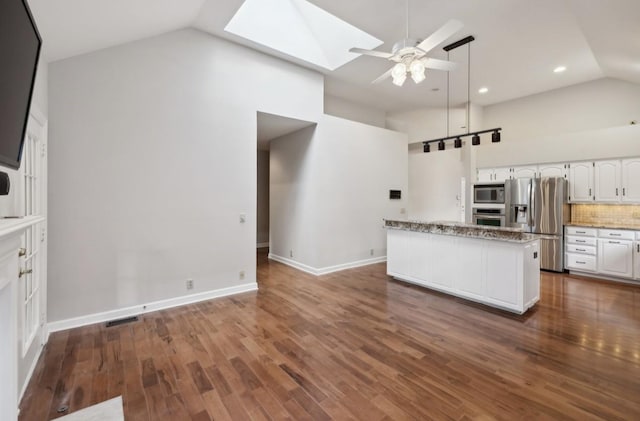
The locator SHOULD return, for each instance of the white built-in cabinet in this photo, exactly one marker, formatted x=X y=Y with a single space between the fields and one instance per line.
x=636 y=257
x=602 y=181
x=581 y=181
x=526 y=171
x=603 y=251
x=607 y=181
x=631 y=180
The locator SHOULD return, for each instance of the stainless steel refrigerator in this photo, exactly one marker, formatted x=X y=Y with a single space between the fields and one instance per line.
x=539 y=206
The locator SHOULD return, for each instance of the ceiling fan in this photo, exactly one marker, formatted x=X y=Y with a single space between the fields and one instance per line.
x=410 y=54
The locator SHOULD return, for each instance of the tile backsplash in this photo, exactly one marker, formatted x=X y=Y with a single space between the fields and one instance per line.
x=605 y=214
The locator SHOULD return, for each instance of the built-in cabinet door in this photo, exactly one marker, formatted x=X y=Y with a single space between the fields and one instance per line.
x=485 y=175
x=581 y=182
x=607 y=181
x=552 y=170
x=636 y=260
x=527 y=171
x=502 y=276
x=397 y=252
x=615 y=257
x=631 y=180
x=501 y=174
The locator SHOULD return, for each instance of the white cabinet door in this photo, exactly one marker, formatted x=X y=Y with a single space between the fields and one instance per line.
x=607 y=181
x=445 y=252
x=552 y=170
x=636 y=260
x=631 y=180
x=581 y=182
x=615 y=257
x=470 y=281
x=502 y=275
x=527 y=171
x=485 y=175
x=501 y=174
x=397 y=252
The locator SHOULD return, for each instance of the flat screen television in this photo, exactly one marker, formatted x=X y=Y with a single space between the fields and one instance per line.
x=20 y=45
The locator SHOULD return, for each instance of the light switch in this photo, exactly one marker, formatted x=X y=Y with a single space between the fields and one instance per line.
x=243 y=218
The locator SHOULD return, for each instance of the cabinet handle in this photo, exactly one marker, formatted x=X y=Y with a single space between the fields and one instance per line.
x=614 y=242
x=24 y=272
x=616 y=191
x=581 y=232
x=581 y=263
x=613 y=234
x=589 y=192
x=580 y=241
x=22 y=252
x=623 y=191
x=581 y=250
x=638 y=245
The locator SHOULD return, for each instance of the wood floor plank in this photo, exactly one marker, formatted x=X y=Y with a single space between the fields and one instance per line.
x=356 y=344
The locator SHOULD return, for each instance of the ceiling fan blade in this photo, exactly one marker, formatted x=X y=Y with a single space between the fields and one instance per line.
x=373 y=53
x=440 y=35
x=434 y=63
x=383 y=76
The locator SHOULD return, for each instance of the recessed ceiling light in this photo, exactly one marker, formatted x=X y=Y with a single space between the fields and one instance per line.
x=483 y=90
x=559 y=69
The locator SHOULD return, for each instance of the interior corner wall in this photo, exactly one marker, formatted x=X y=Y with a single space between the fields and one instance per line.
x=262 y=211
x=340 y=107
x=152 y=159
x=584 y=121
x=330 y=193
x=435 y=177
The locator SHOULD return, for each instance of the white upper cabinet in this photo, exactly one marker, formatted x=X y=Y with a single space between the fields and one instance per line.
x=501 y=174
x=581 y=182
x=525 y=171
x=631 y=180
x=485 y=175
x=608 y=187
x=552 y=170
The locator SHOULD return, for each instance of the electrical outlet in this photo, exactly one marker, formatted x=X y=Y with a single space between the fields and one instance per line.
x=241 y=274
x=371 y=252
x=189 y=284
x=290 y=253
x=403 y=211
x=635 y=215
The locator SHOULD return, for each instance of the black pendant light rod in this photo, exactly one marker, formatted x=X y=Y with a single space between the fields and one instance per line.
x=459 y=43
x=497 y=129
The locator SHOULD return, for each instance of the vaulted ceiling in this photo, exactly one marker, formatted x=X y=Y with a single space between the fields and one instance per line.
x=518 y=42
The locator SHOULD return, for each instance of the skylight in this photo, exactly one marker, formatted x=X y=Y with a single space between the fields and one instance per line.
x=301 y=30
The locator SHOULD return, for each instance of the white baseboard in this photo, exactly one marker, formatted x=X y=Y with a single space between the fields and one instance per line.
x=149 y=307
x=327 y=269
x=262 y=245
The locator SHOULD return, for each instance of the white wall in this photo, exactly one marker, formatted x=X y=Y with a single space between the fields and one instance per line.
x=152 y=159
x=578 y=122
x=330 y=192
x=434 y=178
x=340 y=107
x=262 y=212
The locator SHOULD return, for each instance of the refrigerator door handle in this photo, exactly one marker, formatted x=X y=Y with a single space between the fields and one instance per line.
x=532 y=205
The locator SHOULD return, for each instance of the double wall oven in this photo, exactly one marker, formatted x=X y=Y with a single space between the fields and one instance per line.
x=488 y=205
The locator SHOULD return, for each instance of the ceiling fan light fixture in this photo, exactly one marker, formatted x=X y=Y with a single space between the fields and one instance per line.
x=399 y=80
x=417 y=69
x=399 y=70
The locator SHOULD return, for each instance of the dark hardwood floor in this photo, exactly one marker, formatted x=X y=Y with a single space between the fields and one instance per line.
x=356 y=345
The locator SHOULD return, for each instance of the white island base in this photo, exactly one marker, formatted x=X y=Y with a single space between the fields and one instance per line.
x=499 y=273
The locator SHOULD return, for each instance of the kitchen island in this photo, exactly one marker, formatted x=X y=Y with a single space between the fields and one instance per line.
x=495 y=266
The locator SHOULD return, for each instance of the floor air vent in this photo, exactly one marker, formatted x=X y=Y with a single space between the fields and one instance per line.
x=122 y=321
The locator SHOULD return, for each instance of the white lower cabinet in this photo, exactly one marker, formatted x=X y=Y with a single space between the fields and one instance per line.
x=636 y=259
x=615 y=257
x=603 y=251
x=498 y=273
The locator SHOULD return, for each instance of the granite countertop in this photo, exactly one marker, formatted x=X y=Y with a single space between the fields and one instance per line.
x=514 y=235
x=606 y=225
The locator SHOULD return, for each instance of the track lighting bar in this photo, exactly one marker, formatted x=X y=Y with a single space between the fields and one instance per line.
x=495 y=137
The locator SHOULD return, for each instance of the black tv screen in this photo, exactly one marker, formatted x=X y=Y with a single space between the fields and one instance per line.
x=19 y=52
